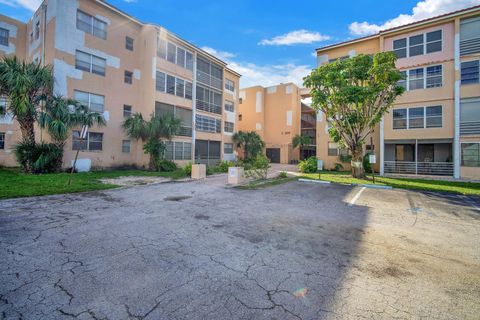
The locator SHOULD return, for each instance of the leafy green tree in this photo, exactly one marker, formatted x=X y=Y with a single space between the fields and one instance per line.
x=354 y=94
x=24 y=84
x=151 y=133
x=60 y=115
x=250 y=142
x=301 y=140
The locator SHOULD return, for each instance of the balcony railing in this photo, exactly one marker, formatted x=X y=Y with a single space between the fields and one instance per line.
x=208 y=107
x=469 y=46
x=469 y=127
x=207 y=79
x=421 y=168
x=185 y=132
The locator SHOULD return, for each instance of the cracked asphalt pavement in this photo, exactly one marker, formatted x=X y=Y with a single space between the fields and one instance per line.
x=199 y=250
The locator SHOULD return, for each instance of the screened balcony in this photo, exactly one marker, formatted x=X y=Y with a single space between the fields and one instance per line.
x=419 y=157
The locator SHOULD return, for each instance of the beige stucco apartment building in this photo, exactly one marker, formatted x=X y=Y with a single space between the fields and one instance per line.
x=434 y=127
x=277 y=114
x=118 y=65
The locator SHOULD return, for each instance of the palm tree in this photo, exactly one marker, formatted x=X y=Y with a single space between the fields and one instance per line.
x=301 y=140
x=250 y=142
x=23 y=84
x=151 y=133
x=61 y=114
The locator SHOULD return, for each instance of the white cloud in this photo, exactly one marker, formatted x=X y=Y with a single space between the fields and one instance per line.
x=31 y=5
x=294 y=37
x=423 y=10
x=264 y=75
x=130 y=1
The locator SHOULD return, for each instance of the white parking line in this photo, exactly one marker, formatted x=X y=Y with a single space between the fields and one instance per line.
x=355 y=198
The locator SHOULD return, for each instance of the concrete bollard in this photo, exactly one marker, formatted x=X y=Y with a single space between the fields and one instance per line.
x=199 y=171
x=236 y=175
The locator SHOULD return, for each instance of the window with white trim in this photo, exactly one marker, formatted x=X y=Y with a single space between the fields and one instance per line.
x=470 y=72
x=128 y=77
x=175 y=54
x=228 y=127
x=332 y=149
x=228 y=148
x=2 y=140
x=422 y=78
x=229 y=85
x=173 y=85
x=418 y=118
x=126 y=146
x=90 y=63
x=184 y=114
x=229 y=106
x=470 y=154
x=127 y=111
x=208 y=124
x=93 y=142
x=208 y=100
x=91 y=25
x=178 y=150
x=129 y=43
x=94 y=102
x=4 y=36
x=420 y=44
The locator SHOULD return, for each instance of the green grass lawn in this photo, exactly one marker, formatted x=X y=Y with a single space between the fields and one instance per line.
x=15 y=184
x=469 y=188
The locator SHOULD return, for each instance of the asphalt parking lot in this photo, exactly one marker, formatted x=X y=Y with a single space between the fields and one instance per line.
x=198 y=250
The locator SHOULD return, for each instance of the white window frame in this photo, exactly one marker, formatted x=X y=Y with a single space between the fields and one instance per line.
x=229 y=85
x=407 y=79
x=124 y=146
x=407 y=119
x=184 y=96
x=186 y=52
x=90 y=98
x=91 y=63
x=7 y=38
x=470 y=60
x=92 y=24
x=225 y=123
x=424 y=43
x=224 y=145
x=230 y=103
x=87 y=140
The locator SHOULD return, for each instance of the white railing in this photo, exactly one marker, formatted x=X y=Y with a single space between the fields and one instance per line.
x=421 y=168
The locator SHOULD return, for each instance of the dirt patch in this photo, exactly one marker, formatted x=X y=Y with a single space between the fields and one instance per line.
x=134 y=181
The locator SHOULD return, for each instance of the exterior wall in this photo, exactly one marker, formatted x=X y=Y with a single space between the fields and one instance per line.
x=448 y=95
x=275 y=114
x=57 y=46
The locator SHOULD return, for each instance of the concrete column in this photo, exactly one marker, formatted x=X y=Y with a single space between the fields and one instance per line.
x=456 y=137
x=194 y=103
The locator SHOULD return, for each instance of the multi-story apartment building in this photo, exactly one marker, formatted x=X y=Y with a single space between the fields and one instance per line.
x=119 y=66
x=277 y=114
x=434 y=127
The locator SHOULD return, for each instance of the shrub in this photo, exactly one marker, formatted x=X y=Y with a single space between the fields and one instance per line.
x=338 y=167
x=224 y=165
x=308 y=165
x=282 y=175
x=366 y=163
x=166 y=166
x=258 y=169
x=39 y=157
x=188 y=169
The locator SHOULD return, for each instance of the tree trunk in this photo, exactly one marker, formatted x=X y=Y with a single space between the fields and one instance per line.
x=151 y=163
x=28 y=130
x=357 y=163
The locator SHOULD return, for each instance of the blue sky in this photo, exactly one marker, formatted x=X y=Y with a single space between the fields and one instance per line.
x=268 y=41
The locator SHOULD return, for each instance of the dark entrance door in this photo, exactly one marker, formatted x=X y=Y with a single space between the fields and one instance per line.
x=273 y=154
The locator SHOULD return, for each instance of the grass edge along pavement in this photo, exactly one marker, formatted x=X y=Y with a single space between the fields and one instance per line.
x=16 y=184
x=459 y=187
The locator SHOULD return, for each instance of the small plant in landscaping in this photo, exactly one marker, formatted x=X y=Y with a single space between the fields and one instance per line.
x=308 y=165
x=166 y=166
x=282 y=175
x=39 y=157
x=188 y=169
x=259 y=168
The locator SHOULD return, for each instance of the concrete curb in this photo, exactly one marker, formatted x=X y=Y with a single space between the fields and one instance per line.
x=372 y=186
x=314 y=181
